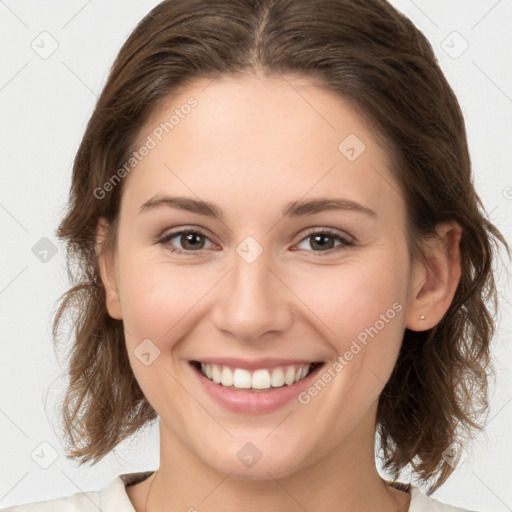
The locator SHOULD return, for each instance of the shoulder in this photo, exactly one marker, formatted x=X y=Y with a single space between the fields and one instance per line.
x=112 y=498
x=422 y=503
x=87 y=501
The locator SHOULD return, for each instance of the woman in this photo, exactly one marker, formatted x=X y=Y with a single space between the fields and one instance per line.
x=281 y=254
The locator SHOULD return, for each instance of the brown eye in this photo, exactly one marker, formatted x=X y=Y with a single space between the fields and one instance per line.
x=322 y=241
x=192 y=241
x=325 y=241
x=188 y=241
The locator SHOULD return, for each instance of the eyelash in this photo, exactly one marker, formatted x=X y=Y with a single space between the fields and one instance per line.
x=344 y=242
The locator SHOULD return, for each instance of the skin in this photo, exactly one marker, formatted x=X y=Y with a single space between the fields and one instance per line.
x=251 y=145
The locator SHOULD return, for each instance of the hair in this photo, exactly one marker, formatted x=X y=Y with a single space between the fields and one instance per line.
x=367 y=53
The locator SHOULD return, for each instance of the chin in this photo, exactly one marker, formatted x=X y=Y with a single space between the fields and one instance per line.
x=261 y=471
x=247 y=462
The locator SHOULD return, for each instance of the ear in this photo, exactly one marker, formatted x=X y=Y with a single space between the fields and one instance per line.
x=108 y=270
x=435 y=280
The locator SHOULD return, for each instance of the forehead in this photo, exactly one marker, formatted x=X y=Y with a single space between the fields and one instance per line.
x=260 y=141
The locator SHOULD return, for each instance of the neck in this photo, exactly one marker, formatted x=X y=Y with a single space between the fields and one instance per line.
x=344 y=480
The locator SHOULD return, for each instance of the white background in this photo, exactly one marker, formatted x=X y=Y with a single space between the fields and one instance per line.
x=44 y=107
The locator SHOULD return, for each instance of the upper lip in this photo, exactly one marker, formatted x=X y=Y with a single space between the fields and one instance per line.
x=255 y=364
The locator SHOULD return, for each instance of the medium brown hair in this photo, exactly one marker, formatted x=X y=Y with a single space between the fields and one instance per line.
x=367 y=52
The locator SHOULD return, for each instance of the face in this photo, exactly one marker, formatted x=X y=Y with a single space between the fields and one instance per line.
x=297 y=307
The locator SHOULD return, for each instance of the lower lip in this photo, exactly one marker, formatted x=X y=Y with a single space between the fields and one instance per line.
x=253 y=402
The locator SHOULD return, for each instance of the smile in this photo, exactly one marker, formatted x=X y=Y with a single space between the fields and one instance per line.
x=253 y=386
x=258 y=379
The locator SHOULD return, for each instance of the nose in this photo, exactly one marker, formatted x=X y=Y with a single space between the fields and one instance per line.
x=252 y=301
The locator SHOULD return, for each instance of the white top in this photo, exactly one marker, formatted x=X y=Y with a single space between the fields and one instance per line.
x=113 y=498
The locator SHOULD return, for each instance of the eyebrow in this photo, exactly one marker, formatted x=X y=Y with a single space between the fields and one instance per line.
x=292 y=209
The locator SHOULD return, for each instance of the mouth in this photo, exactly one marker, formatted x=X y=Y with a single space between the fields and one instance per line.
x=257 y=380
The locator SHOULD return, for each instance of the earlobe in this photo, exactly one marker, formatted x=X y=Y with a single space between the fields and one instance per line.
x=435 y=280
x=107 y=269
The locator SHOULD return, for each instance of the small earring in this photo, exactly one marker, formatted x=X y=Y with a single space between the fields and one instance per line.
x=422 y=317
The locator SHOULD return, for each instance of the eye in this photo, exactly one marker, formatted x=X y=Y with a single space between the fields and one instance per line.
x=193 y=241
x=323 y=241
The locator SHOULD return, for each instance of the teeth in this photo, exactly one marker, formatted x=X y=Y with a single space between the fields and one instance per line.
x=277 y=379
x=216 y=375
x=241 y=378
x=289 y=376
x=207 y=370
x=259 y=379
x=226 y=377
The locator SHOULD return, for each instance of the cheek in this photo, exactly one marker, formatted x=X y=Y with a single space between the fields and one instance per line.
x=157 y=297
x=157 y=300
x=353 y=297
x=360 y=309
